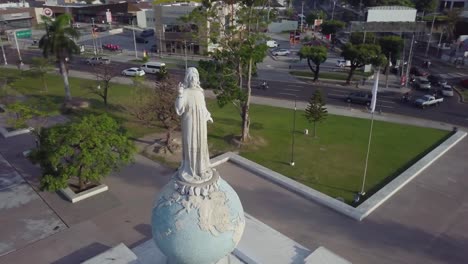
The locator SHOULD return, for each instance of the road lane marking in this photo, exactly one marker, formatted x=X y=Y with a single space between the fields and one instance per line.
x=287 y=94
x=295 y=85
x=295 y=90
x=385 y=101
x=332 y=94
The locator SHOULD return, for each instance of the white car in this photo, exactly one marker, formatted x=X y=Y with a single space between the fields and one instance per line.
x=447 y=90
x=133 y=72
x=281 y=52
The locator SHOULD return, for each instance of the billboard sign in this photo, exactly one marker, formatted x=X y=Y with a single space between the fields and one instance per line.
x=108 y=16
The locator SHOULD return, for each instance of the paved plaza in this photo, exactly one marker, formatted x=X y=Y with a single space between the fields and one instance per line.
x=425 y=222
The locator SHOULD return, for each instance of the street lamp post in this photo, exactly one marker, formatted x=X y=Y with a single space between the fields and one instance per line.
x=3 y=49
x=438 y=45
x=430 y=34
x=134 y=38
x=94 y=37
x=293 y=132
x=408 y=66
x=333 y=11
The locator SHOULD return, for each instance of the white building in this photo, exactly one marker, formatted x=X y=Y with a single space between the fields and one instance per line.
x=391 y=14
x=145 y=18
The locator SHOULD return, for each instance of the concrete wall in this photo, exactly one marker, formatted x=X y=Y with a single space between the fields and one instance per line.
x=284 y=25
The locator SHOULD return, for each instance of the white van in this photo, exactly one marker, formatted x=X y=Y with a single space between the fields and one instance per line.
x=152 y=67
x=272 y=44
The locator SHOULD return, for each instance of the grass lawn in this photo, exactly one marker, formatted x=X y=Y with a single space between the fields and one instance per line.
x=120 y=96
x=333 y=163
x=341 y=76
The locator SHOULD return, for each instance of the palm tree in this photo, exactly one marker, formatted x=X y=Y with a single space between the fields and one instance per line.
x=59 y=41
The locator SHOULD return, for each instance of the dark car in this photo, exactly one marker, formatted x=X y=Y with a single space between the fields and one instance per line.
x=418 y=71
x=154 y=48
x=99 y=29
x=464 y=83
x=141 y=40
x=147 y=33
x=437 y=80
x=360 y=98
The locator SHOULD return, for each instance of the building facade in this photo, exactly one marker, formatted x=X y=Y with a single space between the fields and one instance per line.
x=145 y=18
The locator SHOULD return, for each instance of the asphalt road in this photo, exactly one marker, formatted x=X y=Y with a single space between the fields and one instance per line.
x=451 y=111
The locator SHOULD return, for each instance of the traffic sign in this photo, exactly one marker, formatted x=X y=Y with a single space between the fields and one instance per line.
x=47 y=12
x=21 y=34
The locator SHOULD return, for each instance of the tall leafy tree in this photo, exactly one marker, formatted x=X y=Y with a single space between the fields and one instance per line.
x=330 y=27
x=59 y=41
x=451 y=18
x=360 y=55
x=242 y=45
x=86 y=150
x=316 y=110
x=310 y=18
x=40 y=67
x=316 y=55
x=391 y=46
x=358 y=38
x=426 y=5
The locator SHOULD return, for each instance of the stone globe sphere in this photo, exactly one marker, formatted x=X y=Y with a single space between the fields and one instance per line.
x=191 y=229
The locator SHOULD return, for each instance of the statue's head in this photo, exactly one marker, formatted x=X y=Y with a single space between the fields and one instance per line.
x=192 y=78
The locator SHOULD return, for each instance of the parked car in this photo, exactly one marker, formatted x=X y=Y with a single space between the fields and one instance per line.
x=147 y=33
x=99 y=29
x=464 y=83
x=154 y=48
x=343 y=63
x=281 y=52
x=447 y=90
x=153 y=67
x=428 y=100
x=141 y=40
x=422 y=83
x=112 y=47
x=97 y=60
x=418 y=71
x=360 y=98
x=437 y=80
x=134 y=71
x=272 y=44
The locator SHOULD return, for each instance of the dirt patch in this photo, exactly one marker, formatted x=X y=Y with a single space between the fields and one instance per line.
x=154 y=147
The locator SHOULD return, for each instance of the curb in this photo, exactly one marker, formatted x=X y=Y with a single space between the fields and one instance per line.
x=369 y=205
x=462 y=98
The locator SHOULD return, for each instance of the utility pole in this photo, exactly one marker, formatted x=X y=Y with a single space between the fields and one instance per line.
x=160 y=43
x=438 y=45
x=302 y=17
x=409 y=61
x=94 y=37
x=185 y=52
x=18 y=49
x=430 y=35
x=333 y=11
x=3 y=49
x=134 y=38
x=268 y=13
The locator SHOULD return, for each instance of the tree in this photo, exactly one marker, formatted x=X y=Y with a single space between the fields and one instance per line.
x=316 y=110
x=360 y=55
x=426 y=5
x=162 y=105
x=40 y=67
x=391 y=46
x=330 y=27
x=59 y=41
x=86 y=150
x=451 y=18
x=358 y=38
x=242 y=45
x=104 y=74
x=315 y=54
x=310 y=18
x=21 y=114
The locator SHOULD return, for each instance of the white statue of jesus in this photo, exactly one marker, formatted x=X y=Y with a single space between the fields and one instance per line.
x=190 y=104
